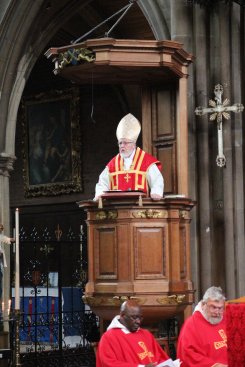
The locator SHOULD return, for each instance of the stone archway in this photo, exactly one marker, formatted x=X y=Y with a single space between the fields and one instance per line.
x=27 y=28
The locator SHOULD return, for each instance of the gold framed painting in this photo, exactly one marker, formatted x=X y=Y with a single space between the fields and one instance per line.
x=51 y=143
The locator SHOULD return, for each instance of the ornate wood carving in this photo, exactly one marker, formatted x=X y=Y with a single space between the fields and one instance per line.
x=141 y=254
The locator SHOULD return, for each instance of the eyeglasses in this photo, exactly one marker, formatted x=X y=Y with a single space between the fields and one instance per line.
x=213 y=308
x=120 y=143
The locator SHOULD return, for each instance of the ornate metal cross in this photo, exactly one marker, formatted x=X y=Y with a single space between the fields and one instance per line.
x=218 y=110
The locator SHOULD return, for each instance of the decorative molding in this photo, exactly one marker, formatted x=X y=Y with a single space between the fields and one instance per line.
x=174 y=299
x=6 y=164
x=184 y=214
x=150 y=214
x=110 y=301
x=103 y=215
x=73 y=56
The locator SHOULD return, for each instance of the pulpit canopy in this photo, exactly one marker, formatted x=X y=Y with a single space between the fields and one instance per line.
x=121 y=61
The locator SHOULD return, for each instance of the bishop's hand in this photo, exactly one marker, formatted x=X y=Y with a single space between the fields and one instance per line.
x=156 y=197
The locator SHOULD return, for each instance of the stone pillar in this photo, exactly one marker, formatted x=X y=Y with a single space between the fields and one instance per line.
x=236 y=94
x=204 y=248
x=6 y=165
x=182 y=31
x=228 y=179
x=181 y=26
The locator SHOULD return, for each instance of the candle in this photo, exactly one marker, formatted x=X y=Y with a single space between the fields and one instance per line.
x=9 y=306
x=17 y=263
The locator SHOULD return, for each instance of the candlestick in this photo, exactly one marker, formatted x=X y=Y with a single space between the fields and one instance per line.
x=17 y=263
x=17 y=339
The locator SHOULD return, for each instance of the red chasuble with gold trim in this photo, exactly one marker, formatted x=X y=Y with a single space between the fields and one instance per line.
x=201 y=344
x=135 y=177
x=117 y=349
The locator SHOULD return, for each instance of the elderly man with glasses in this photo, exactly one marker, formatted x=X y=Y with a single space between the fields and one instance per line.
x=132 y=169
x=126 y=344
x=202 y=341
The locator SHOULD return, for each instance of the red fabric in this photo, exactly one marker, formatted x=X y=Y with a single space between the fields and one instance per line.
x=202 y=344
x=235 y=326
x=135 y=177
x=118 y=349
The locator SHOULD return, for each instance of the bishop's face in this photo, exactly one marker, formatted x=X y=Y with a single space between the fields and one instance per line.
x=126 y=147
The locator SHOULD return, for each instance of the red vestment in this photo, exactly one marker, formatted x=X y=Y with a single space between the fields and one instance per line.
x=117 y=349
x=202 y=344
x=235 y=327
x=135 y=177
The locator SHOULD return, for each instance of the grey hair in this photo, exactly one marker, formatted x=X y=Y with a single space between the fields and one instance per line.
x=123 y=306
x=214 y=294
x=128 y=304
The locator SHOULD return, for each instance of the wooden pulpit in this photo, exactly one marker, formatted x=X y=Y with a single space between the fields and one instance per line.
x=139 y=249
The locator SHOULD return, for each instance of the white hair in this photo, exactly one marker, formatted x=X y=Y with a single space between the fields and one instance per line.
x=213 y=293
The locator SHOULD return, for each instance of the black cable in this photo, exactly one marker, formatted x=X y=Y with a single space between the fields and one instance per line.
x=126 y=8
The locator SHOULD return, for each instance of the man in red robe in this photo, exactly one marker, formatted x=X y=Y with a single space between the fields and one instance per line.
x=132 y=169
x=126 y=344
x=202 y=341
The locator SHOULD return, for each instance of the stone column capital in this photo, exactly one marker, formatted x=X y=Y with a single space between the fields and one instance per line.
x=6 y=164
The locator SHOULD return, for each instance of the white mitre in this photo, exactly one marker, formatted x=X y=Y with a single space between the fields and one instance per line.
x=128 y=128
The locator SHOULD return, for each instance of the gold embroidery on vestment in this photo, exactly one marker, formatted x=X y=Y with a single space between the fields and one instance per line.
x=127 y=177
x=221 y=343
x=146 y=353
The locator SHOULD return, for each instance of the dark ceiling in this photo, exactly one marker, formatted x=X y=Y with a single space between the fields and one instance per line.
x=133 y=25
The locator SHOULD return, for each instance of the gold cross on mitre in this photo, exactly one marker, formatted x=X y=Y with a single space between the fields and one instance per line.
x=218 y=110
x=127 y=177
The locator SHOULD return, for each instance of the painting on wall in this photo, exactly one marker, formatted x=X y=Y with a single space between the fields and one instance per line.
x=51 y=143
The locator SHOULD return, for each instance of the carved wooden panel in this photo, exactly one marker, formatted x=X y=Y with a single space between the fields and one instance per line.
x=142 y=253
x=183 y=252
x=166 y=154
x=106 y=266
x=123 y=236
x=150 y=252
x=159 y=127
x=163 y=107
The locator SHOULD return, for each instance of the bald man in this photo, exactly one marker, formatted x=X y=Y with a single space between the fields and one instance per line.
x=126 y=344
